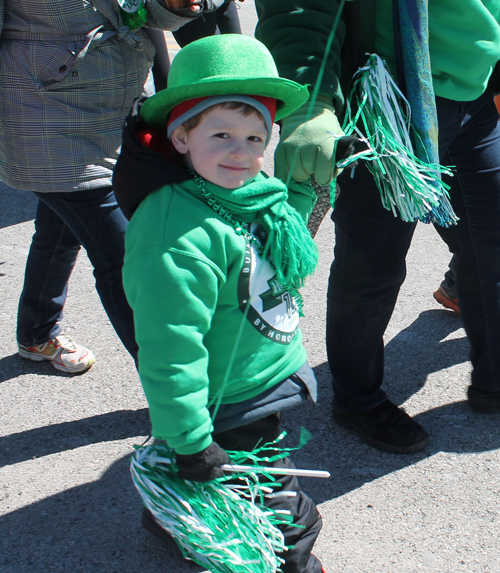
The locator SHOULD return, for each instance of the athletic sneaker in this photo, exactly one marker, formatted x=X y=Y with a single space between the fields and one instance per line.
x=62 y=351
x=447 y=297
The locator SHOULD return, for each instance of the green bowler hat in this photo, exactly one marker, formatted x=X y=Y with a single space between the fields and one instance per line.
x=222 y=65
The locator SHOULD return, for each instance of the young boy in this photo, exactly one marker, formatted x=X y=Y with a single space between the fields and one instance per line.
x=215 y=255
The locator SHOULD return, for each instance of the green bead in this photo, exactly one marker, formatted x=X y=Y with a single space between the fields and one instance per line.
x=134 y=20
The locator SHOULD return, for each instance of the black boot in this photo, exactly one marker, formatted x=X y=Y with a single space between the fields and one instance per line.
x=483 y=401
x=385 y=427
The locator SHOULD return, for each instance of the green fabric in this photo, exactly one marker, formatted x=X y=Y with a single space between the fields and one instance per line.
x=292 y=250
x=464 y=41
x=296 y=34
x=302 y=197
x=213 y=66
x=458 y=74
x=185 y=272
x=307 y=143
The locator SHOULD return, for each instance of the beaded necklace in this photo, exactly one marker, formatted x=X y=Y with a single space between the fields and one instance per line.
x=243 y=230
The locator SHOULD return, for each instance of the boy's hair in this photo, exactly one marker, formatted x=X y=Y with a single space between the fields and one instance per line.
x=244 y=108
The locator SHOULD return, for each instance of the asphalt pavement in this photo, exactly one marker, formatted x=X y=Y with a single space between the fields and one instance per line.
x=67 y=504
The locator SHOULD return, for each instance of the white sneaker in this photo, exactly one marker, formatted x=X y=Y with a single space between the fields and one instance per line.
x=62 y=351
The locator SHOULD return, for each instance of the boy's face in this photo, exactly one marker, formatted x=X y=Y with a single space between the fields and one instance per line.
x=225 y=148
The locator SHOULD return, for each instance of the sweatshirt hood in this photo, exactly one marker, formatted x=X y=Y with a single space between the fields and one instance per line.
x=144 y=164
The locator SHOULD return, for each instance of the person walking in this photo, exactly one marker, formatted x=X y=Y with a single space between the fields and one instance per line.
x=69 y=72
x=371 y=244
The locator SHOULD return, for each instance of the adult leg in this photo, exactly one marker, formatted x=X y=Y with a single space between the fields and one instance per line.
x=475 y=241
x=449 y=276
x=224 y=20
x=366 y=275
x=446 y=294
x=201 y=27
x=99 y=225
x=228 y=20
x=52 y=256
x=51 y=259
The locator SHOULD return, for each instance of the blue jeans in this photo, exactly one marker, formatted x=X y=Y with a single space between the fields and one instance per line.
x=63 y=223
x=371 y=245
x=449 y=276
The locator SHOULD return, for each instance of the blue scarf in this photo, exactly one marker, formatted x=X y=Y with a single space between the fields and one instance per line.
x=411 y=24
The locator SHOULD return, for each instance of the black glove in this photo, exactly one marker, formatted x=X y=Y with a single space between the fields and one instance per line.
x=203 y=466
x=346 y=146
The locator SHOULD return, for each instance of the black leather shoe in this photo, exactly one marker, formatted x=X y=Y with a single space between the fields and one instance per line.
x=482 y=401
x=386 y=427
x=150 y=524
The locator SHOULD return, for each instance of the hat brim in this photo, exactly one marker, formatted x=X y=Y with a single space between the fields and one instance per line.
x=289 y=95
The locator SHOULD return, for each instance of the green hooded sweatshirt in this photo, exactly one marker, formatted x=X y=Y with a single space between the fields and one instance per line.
x=188 y=278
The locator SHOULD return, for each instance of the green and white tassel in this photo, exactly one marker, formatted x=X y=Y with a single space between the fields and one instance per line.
x=408 y=186
x=221 y=525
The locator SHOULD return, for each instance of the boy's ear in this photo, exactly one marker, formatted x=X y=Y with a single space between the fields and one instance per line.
x=179 y=139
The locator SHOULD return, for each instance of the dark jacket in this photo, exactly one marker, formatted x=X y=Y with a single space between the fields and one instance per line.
x=139 y=170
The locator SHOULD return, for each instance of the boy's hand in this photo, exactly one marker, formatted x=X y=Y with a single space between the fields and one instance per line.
x=203 y=466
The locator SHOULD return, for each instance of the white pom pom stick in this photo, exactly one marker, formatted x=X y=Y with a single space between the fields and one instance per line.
x=279 y=471
x=154 y=458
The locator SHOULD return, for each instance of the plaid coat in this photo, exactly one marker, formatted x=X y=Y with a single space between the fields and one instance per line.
x=69 y=72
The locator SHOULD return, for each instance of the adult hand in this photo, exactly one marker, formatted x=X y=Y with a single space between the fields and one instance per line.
x=203 y=466
x=307 y=146
x=196 y=7
x=212 y=5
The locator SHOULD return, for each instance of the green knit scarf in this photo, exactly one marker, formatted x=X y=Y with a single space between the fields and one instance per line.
x=289 y=248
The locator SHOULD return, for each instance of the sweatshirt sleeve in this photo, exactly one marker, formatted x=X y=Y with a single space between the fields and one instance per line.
x=302 y=197
x=173 y=296
x=296 y=34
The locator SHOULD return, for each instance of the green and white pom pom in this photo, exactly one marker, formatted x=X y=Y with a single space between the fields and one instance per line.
x=408 y=186
x=221 y=526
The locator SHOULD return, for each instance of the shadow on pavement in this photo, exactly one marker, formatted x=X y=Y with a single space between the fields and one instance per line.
x=55 y=438
x=91 y=528
x=16 y=206
x=420 y=350
x=411 y=356
x=13 y=366
x=96 y=527
x=453 y=428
